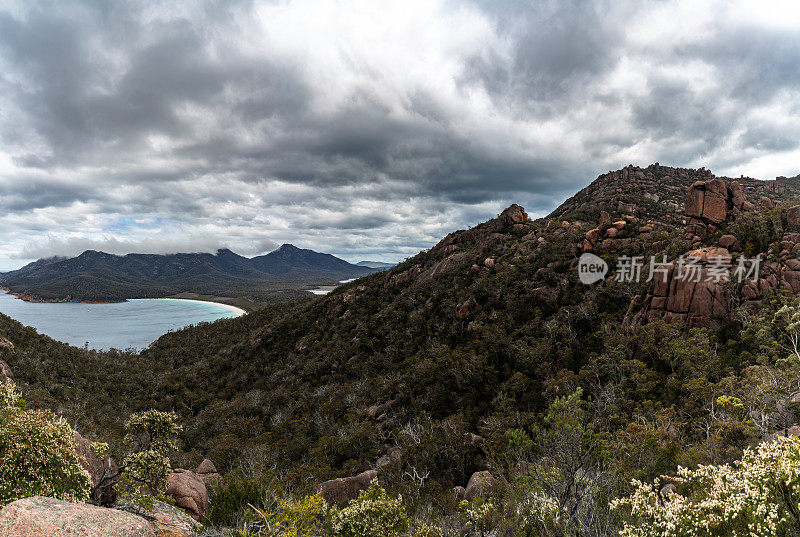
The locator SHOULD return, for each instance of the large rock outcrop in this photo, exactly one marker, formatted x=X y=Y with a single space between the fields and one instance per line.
x=514 y=214
x=47 y=517
x=694 y=296
x=710 y=203
x=681 y=300
x=189 y=492
x=793 y=217
x=780 y=275
x=5 y=371
x=342 y=490
x=708 y=200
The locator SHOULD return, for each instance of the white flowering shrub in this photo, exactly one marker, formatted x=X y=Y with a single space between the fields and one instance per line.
x=757 y=496
x=479 y=516
x=373 y=514
x=9 y=397
x=37 y=456
x=426 y=530
x=538 y=514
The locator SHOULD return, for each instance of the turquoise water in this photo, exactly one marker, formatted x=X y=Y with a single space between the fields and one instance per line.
x=134 y=324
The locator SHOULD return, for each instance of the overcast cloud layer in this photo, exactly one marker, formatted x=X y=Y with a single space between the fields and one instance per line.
x=361 y=128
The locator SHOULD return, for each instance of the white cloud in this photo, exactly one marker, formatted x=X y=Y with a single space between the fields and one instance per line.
x=367 y=129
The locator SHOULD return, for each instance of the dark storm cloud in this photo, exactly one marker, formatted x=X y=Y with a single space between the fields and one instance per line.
x=558 y=51
x=82 y=103
x=28 y=193
x=330 y=126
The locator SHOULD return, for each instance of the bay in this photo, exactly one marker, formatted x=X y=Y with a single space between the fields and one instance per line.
x=123 y=325
x=325 y=289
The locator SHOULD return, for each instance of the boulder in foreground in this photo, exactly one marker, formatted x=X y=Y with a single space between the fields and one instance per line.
x=189 y=492
x=166 y=520
x=40 y=517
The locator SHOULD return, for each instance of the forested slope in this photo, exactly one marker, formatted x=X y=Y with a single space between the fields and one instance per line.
x=477 y=336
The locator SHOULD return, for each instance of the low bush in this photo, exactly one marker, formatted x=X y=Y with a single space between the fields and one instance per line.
x=373 y=514
x=231 y=497
x=37 y=456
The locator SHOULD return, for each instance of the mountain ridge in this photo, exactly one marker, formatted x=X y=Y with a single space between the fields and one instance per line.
x=659 y=190
x=98 y=276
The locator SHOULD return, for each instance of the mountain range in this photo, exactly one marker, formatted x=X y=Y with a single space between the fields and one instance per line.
x=99 y=276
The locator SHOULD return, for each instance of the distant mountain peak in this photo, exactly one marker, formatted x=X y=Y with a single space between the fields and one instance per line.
x=88 y=254
x=375 y=264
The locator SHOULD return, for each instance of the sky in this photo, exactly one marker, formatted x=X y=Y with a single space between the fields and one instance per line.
x=367 y=129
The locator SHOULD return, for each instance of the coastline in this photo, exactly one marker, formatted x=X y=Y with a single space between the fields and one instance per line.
x=38 y=300
x=238 y=311
x=321 y=290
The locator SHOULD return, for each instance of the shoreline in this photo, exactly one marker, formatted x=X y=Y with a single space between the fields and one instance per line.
x=38 y=300
x=34 y=299
x=238 y=311
x=322 y=290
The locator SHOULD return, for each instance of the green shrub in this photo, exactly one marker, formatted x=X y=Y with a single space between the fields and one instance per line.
x=756 y=232
x=37 y=456
x=478 y=516
x=287 y=518
x=372 y=514
x=229 y=499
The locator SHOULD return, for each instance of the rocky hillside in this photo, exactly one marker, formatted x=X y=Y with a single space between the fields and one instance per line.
x=434 y=361
x=659 y=193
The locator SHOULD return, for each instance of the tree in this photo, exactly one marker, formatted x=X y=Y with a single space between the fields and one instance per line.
x=152 y=435
x=788 y=318
x=37 y=455
x=568 y=470
x=558 y=484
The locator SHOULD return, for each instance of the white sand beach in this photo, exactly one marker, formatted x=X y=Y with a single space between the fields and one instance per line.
x=238 y=311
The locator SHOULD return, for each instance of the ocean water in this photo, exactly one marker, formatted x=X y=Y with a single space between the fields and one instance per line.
x=133 y=324
x=325 y=289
